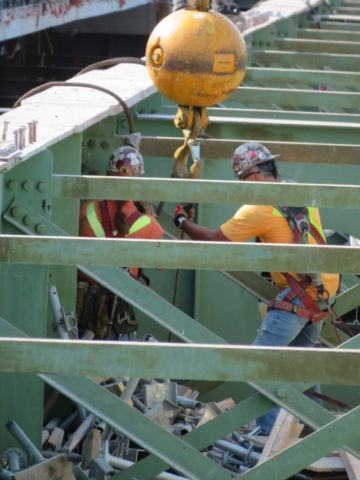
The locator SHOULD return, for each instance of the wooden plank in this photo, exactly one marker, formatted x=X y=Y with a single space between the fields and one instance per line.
x=279 y=435
x=351 y=464
x=91 y=448
x=45 y=470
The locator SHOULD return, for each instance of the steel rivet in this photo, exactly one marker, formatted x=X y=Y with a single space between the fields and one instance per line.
x=27 y=185
x=12 y=185
x=42 y=186
x=16 y=212
x=27 y=220
x=40 y=228
x=105 y=145
x=91 y=144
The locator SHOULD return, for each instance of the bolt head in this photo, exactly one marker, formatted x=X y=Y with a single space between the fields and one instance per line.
x=12 y=185
x=42 y=186
x=158 y=56
x=15 y=212
x=91 y=144
x=27 y=220
x=40 y=228
x=27 y=185
x=281 y=392
x=105 y=145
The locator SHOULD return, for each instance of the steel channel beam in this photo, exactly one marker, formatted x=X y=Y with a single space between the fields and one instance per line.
x=309 y=77
x=272 y=114
x=206 y=191
x=268 y=129
x=343 y=10
x=182 y=254
x=331 y=35
x=287 y=151
x=317 y=46
x=339 y=18
x=348 y=26
x=326 y=99
x=227 y=363
x=307 y=60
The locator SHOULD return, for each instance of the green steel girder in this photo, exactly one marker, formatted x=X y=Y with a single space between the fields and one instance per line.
x=270 y=130
x=179 y=361
x=332 y=35
x=207 y=191
x=281 y=115
x=346 y=10
x=326 y=99
x=317 y=46
x=335 y=26
x=171 y=254
x=307 y=60
x=287 y=151
x=339 y=18
x=337 y=80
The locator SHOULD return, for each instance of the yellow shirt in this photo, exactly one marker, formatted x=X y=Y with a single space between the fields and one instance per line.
x=270 y=226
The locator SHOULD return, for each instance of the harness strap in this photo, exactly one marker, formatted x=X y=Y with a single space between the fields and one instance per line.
x=308 y=313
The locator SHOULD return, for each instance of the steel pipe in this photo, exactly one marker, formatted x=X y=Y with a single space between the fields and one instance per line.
x=24 y=441
x=237 y=450
x=188 y=403
x=56 y=308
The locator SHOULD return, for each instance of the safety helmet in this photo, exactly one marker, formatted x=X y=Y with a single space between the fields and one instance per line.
x=126 y=162
x=250 y=154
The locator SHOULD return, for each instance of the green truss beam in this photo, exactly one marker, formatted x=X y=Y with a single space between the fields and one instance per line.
x=309 y=61
x=171 y=254
x=206 y=191
x=178 y=361
x=309 y=77
x=348 y=26
x=331 y=35
x=287 y=151
x=317 y=46
x=282 y=96
x=272 y=114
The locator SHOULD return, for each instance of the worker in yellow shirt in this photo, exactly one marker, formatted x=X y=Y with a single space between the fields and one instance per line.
x=296 y=316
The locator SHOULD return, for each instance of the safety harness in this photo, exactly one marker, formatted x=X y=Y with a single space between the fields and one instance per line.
x=299 y=222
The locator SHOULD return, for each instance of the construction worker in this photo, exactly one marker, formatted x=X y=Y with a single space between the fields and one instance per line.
x=295 y=317
x=98 y=310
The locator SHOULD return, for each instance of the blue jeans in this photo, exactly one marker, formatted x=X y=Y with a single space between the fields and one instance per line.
x=280 y=329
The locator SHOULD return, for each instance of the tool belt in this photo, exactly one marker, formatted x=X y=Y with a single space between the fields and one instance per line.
x=310 y=314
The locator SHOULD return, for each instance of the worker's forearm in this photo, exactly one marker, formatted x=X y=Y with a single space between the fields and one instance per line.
x=196 y=232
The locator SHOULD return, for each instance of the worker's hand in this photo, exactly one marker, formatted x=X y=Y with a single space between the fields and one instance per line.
x=183 y=212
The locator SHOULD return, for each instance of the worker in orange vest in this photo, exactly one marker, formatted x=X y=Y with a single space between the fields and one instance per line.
x=98 y=309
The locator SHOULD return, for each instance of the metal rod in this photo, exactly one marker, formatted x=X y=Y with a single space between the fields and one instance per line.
x=31 y=132
x=22 y=140
x=24 y=441
x=34 y=122
x=56 y=308
x=72 y=457
x=237 y=450
x=69 y=420
x=79 y=434
x=5 y=129
x=16 y=138
x=129 y=389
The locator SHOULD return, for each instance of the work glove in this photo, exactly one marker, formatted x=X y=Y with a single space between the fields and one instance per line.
x=183 y=212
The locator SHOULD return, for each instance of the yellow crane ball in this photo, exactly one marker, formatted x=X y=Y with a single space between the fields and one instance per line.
x=196 y=57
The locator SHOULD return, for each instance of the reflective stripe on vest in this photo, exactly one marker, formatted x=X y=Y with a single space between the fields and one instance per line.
x=311 y=210
x=98 y=230
x=93 y=220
